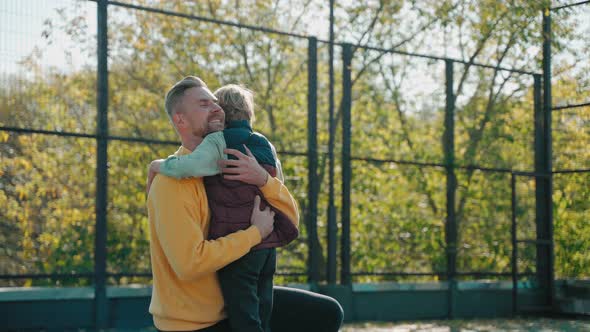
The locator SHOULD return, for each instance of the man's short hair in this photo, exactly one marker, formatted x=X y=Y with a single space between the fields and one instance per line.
x=176 y=92
x=237 y=102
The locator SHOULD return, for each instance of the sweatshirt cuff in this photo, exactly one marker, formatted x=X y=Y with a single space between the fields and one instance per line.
x=271 y=184
x=253 y=235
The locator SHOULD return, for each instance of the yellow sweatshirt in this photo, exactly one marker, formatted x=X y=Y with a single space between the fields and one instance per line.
x=186 y=293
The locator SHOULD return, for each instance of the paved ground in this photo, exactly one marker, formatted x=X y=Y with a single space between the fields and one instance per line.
x=479 y=325
x=512 y=325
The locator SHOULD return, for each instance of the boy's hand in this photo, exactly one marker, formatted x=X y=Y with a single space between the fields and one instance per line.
x=153 y=169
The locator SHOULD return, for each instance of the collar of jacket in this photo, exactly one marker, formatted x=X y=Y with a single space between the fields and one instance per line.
x=239 y=124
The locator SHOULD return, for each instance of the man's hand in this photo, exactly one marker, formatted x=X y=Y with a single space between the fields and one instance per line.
x=263 y=220
x=245 y=169
x=153 y=169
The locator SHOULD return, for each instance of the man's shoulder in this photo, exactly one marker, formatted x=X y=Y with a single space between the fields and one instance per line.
x=165 y=185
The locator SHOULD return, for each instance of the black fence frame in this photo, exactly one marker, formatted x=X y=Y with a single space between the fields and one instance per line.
x=543 y=173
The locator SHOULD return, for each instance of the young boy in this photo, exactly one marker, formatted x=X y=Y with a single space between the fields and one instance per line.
x=247 y=283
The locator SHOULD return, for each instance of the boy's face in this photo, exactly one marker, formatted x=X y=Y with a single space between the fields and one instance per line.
x=200 y=113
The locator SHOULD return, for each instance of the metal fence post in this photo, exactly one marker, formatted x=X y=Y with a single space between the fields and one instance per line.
x=312 y=159
x=332 y=227
x=449 y=153
x=513 y=230
x=346 y=168
x=543 y=165
x=100 y=298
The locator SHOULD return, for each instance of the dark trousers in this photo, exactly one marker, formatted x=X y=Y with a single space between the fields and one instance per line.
x=222 y=326
x=247 y=290
x=300 y=310
x=297 y=310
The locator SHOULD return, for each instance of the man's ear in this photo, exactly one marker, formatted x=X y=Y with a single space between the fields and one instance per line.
x=179 y=120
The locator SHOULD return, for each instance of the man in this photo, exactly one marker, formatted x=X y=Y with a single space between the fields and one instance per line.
x=186 y=295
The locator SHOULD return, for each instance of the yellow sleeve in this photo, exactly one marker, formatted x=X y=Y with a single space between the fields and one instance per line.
x=279 y=196
x=175 y=211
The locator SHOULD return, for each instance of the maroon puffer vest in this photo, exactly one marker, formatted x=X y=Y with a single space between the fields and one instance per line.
x=231 y=203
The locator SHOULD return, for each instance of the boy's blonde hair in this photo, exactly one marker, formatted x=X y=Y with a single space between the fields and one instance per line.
x=237 y=102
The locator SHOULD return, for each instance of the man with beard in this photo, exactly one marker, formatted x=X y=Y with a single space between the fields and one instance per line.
x=186 y=295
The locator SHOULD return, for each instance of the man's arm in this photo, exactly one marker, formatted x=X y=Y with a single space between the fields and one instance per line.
x=179 y=231
x=279 y=196
x=246 y=169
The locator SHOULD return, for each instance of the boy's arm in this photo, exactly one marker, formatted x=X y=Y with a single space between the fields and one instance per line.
x=179 y=231
x=201 y=162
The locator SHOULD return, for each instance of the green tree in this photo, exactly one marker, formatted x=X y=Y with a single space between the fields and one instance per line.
x=398 y=211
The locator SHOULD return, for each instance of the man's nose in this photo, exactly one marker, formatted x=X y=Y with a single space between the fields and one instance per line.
x=216 y=108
